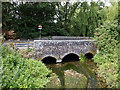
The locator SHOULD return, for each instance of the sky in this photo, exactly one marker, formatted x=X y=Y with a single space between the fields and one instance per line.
x=104 y=1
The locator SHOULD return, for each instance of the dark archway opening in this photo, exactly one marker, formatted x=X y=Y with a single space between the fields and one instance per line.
x=70 y=58
x=89 y=55
x=49 y=60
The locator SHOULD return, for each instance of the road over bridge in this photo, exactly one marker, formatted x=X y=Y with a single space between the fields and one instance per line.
x=60 y=47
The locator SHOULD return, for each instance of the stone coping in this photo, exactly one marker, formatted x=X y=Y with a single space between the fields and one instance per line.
x=69 y=38
x=62 y=40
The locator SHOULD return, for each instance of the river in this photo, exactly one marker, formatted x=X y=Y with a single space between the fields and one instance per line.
x=75 y=74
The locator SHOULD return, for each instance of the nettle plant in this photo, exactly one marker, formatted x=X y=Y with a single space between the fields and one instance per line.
x=107 y=58
x=18 y=72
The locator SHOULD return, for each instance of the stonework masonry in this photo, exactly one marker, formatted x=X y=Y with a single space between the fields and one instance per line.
x=60 y=48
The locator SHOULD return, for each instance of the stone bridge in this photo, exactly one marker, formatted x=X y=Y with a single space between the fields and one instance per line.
x=59 y=47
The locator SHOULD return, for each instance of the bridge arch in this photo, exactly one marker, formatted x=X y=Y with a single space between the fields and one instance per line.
x=49 y=60
x=70 y=57
x=89 y=55
x=62 y=56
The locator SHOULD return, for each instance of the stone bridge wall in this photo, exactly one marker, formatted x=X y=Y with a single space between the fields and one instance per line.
x=60 y=48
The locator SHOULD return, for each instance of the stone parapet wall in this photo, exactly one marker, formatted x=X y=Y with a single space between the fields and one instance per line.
x=67 y=38
x=70 y=38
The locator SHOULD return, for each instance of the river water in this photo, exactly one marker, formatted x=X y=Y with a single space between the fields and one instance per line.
x=75 y=74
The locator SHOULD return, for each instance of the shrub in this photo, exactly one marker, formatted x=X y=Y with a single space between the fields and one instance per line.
x=19 y=72
x=83 y=58
x=107 y=58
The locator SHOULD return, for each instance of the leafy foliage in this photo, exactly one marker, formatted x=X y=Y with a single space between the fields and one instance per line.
x=86 y=18
x=83 y=58
x=77 y=19
x=107 y=55
x=25 y=18
x=19 y=72
x=107 y=58
x=6 y=15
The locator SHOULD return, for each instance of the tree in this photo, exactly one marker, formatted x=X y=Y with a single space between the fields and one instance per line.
x=30 y=15
x=25 y=18
x=72 y=19
x=6 y=15
x=86 y=18
x=64 y=12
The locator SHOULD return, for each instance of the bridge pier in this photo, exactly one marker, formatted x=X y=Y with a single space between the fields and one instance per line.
x=58 y=61
x=79 y=58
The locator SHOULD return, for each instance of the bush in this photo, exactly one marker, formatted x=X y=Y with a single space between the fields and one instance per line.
x=107 y=58
x=19 y=72
x=83 y=58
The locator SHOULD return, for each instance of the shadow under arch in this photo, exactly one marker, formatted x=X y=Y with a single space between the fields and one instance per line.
x=89 y=55
x=49 y=60
x=70 y=58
